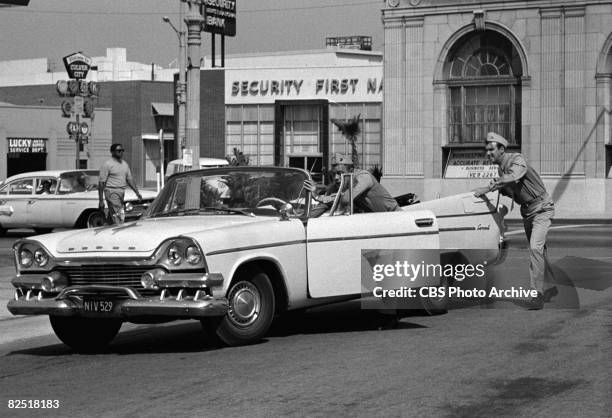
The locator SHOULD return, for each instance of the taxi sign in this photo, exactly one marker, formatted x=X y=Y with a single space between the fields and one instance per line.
x=77 y=65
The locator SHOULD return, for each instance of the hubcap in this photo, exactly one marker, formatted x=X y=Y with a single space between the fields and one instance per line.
x=244 y=304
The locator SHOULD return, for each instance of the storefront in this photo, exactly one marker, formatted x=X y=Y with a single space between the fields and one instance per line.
x=539 y=73
x=34 y=138
x=282 y=112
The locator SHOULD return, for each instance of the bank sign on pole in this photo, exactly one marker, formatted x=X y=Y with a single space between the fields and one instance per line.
x=77 y=65
x=220 y=17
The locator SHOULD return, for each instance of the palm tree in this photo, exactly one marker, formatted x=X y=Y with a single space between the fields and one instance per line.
x=350 y=130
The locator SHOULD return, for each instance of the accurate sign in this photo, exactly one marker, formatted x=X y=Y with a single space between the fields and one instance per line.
x=27 y=145
x=220 y=17
x=469 y=164
x=77 y=65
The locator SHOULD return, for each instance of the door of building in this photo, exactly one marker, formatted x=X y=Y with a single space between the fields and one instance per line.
x=21 y=162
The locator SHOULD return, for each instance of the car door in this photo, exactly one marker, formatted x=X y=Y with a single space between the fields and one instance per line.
x=44 y=208
x=74 y=197
x=14 y=197
x=334 y=246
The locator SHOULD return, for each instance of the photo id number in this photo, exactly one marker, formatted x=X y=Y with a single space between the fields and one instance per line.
x=33 y=403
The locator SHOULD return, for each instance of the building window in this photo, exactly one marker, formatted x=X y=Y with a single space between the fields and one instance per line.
x=483 y=75
x=250 y=129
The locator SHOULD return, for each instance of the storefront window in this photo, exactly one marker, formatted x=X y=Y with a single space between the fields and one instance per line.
x=485 y=92
x=250 y=129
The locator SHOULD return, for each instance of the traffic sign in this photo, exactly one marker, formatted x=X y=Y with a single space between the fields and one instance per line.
x=62 y=87
x=72 y=128
x=84 y=128
x=78 y=105
x=93 y=88
x=77 y=65
x=66 y=109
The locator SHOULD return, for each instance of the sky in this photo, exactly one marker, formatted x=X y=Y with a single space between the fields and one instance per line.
x=56 y=28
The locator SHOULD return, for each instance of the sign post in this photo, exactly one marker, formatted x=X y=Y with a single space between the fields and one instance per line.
x=77 y=66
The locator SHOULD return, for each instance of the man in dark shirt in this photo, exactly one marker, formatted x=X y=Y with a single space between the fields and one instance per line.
x=523 y=184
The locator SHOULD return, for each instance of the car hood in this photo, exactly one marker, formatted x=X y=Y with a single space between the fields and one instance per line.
x=142 y=236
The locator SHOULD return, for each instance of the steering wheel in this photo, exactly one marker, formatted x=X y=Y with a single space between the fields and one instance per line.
x=270 y=200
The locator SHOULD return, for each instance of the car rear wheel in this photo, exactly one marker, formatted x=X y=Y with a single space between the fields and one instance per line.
x=250 y=313
x=437 y=305
x=95 y=219
x=85 y=335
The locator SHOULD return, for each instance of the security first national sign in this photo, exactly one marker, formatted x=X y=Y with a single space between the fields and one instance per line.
x=220 y=16
x=469 y=164
x=77 y=65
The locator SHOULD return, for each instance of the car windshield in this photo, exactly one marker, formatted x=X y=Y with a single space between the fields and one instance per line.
x=78 y=181
x=254 y=192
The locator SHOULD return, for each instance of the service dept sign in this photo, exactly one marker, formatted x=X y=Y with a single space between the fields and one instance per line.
x=77 y=65
x=27 y=145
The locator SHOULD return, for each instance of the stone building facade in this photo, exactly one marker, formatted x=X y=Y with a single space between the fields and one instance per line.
x=538 y=72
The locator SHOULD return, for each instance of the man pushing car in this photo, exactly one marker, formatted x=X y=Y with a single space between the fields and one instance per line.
x=523 y=184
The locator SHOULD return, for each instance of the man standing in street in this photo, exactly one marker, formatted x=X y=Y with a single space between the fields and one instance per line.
x=523 y=184
x=115 y=176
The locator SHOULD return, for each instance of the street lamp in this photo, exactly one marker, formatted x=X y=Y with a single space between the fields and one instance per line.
x=180 y=87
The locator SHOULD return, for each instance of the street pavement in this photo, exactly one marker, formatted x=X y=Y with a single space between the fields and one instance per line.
x=479 y=360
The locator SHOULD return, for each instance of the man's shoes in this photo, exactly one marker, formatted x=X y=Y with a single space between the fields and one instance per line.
x=390 y=322
x=550 y=293
x=536 y=303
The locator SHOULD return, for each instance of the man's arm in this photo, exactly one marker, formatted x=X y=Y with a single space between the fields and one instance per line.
x=103 y=176
x=516 y=171
x=130 y=182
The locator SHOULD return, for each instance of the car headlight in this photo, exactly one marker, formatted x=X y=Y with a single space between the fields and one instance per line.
x=41 y=257
x=174 y=254
x=128 y=207
x=182 y=253
x=26 y=258
x=193 y=255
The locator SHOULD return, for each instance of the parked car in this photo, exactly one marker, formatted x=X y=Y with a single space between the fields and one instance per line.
x=177 y=166
x=44 y=200
x=231 y=247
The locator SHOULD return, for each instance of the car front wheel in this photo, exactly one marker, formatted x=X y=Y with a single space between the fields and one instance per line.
x=250 y=312
x=85 y=335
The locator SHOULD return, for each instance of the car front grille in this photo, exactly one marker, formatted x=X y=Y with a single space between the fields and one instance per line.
x=107 y=274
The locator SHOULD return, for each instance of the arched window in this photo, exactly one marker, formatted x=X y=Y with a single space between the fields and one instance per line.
x=483 y=73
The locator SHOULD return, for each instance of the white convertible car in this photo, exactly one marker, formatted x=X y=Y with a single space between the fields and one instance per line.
x=44 y=200
x=231 y=247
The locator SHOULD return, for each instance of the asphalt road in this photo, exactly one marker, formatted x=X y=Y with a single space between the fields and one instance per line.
x=478 y=360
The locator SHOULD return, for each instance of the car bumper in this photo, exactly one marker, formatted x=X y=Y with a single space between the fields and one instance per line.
x=122 y=308
x=182 y=295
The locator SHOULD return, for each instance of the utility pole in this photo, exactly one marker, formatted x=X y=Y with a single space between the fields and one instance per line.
x=194 y=21
x=181 y=86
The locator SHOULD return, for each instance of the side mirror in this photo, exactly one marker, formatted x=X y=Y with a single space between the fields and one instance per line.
x=285 y=211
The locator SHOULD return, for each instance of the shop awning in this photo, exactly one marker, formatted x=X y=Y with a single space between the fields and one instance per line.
x=162 y=109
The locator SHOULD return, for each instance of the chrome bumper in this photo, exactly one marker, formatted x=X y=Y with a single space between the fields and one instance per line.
x=182 y=295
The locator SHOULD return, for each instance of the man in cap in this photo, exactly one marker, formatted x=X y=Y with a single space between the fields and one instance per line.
x=368 y=194
x=523 y=184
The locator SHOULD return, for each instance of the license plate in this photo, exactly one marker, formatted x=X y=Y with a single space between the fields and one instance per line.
x=97 y=305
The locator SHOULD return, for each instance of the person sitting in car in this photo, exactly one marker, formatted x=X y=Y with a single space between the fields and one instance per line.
x=368 y=194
